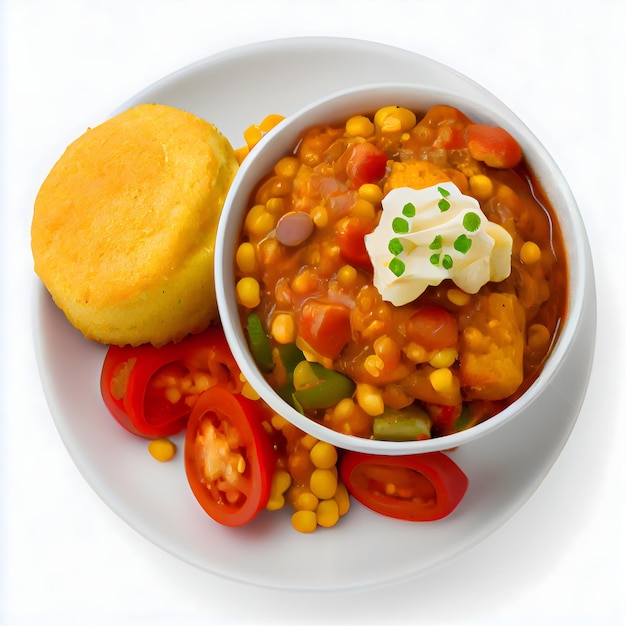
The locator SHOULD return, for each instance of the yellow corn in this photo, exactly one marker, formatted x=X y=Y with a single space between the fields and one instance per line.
x=323 y=482
x=319 y=215
x=275 y=206
x=245 y=257
x=458 y=297
x=441 y=379
x=327 y=513
x=323 y=455
x=283 y=328
x=359 y=126
x=162 y=450
x=363 y=208
x=304 y=521
x=287 y=166
x=248 y=292
x=342 y=497
x=371 y=192
x=346 y=276
x=481 y=186
x=281 y=481
x=259 y=222
x=306 y=501
x=370 y=399
x=394 y=119
x=444 y=358
x=530 y=253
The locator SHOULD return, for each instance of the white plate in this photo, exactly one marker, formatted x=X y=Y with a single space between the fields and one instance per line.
x=233 y=90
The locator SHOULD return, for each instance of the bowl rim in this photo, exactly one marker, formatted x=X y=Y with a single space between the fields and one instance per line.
x=330 y=108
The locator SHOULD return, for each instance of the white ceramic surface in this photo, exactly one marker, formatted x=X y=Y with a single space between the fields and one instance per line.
x=233 y=90
x=340 y=106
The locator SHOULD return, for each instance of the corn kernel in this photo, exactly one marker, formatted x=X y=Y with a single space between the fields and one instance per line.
x=252 y=135
x=441 y=379
x=444 y=358
x=374 y=365
x=278 y=421
x=245 y=257
x=259 y=222
x=323 y=482
x=530 y=253
x=283 y=328
x=308 y=441
x=319 y=215
x=327 y=513
x=394 y=119
x=248 y=292
x=248 y=391
x=363 y=208
x=458 y=297
x=342 y=498
x=346 y=276
x=287 y=166
x=275 y=206
x=304 y=521
x=162 y=450
x=281 y=481
x=371 y=192
x=359 y=126
x=481 y=186
x=306 y=501
x=370 y=399
x=323 y=455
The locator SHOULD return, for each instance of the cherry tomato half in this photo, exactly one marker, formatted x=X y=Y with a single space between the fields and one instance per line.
x=366 y=164
x=417 y=487
x=432 y=327
x=229 y=459
x=150 y=390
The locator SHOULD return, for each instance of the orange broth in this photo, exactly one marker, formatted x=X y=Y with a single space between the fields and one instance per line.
x=497 y=339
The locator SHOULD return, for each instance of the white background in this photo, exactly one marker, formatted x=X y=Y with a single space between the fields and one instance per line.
x=65 y=558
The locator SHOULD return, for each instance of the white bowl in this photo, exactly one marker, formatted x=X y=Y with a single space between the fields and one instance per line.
x=338 y=107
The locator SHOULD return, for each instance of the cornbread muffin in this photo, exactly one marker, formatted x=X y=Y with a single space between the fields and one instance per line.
x=123 y=230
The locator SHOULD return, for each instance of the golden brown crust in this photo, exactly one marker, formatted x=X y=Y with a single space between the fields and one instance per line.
x=124 y=226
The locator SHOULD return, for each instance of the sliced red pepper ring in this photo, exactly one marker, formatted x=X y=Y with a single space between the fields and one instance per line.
x=417 y=488
x=229 y=458
x=150 y=391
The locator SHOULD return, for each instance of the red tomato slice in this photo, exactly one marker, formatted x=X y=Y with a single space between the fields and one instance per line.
x=432 y=327
x=325 y=327
x=229 y=459
x=351 y=233
x=366 y=164
x=416 y=488
x=135 y=381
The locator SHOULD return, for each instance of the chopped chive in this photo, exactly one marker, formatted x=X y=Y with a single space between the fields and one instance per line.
x=447 y=262
x=434 y=258
x=395 y=246
x=408 y=210
x=443 y=205
x=444 y=192
x=436 y=243
x=462 y=244
x=400 y=225
x=471 y=222
x=396 y=266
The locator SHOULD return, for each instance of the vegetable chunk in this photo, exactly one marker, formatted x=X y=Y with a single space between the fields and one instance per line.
x=492 y=347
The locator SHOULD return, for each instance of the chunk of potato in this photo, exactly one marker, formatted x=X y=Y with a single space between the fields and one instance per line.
x=491 y=348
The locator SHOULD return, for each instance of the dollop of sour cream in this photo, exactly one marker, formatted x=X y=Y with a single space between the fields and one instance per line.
x=428 y=235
